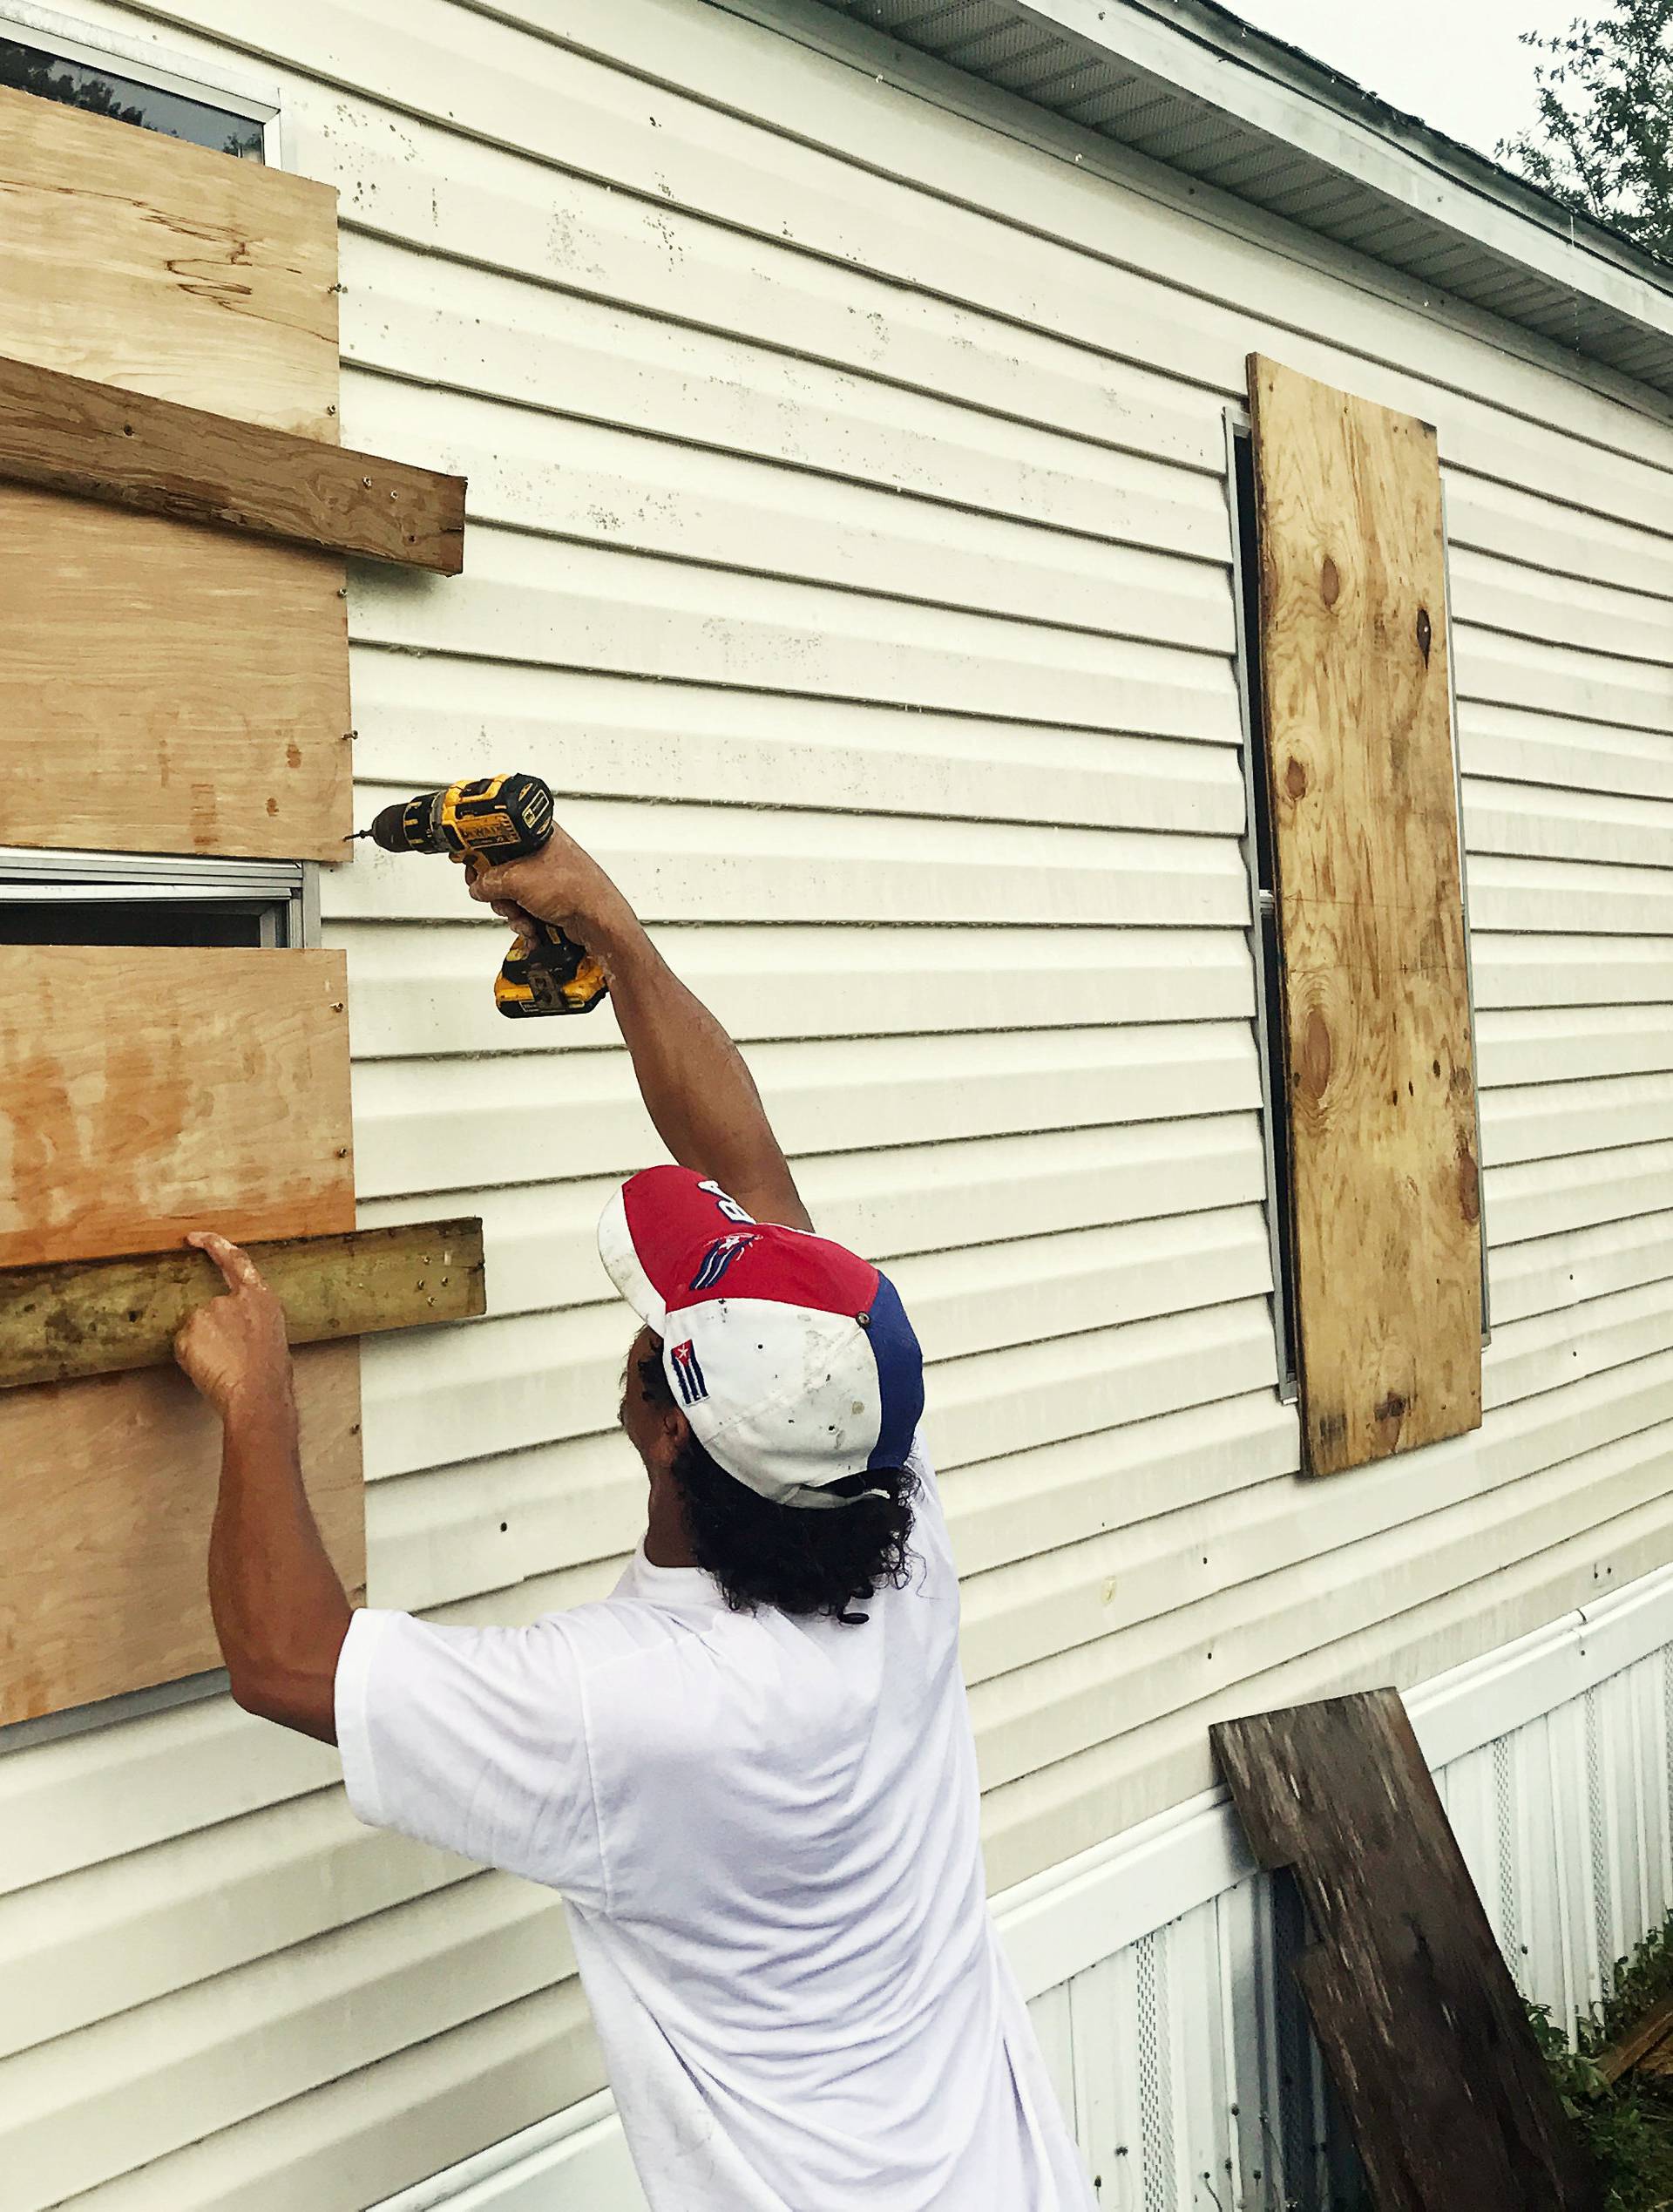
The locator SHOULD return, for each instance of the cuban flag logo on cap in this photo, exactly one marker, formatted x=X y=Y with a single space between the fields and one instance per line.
x=687 y=1372
x=719 y=1256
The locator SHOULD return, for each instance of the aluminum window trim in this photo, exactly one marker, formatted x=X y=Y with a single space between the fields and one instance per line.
x=109 y=1713
x=31 y=892
x=1262 y=907
x=187 y=875
x=285 y=893
x=93 y=46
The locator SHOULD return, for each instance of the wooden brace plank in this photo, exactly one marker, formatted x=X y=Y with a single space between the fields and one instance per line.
x=1381 y=1093
x=1649 y=2035
x=99 y=1316
x=93 y=441
x=1426 y=2039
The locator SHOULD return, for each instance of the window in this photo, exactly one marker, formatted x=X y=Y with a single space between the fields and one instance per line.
x=112 y=899
x=62 y=898
x=78 y=66
x=74 y=897
x=116 y=899
x=1260 y=843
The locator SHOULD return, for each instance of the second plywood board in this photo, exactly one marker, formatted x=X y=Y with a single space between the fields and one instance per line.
x=165 y=267
x=105 y=1525
x=145 y=1092
x=1381 y=1082
x=168 y=689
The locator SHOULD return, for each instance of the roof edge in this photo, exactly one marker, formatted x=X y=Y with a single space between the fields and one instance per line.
x=1213 y=54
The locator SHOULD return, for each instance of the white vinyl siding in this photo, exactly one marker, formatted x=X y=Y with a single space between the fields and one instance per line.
x=848 y=546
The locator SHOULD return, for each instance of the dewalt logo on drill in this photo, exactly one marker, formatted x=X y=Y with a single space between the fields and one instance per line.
x=481 y=832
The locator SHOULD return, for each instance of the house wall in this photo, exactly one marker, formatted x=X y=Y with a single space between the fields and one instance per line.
x=849 y=547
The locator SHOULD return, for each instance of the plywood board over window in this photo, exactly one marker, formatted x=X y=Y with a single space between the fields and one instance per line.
x=1381 y=1099
x=106 y=1521
x=144 y=1091
x=188 y=688
x=165 y=267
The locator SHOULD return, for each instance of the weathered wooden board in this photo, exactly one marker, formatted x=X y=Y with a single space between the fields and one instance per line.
x=101 y=1316
x=146 y=1091
x=1644 y=2044
x=168 y=690
x=1381 y=1082
x=108 y=1493
x=93 y=441
x=167 y=267
x=1449 y=2100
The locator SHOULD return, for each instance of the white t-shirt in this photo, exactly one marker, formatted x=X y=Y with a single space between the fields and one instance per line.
x=765 y=1828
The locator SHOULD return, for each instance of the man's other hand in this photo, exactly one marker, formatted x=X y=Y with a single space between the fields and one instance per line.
x=235 y=1347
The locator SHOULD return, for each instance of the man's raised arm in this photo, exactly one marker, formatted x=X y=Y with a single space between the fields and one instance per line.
x=692 y=1077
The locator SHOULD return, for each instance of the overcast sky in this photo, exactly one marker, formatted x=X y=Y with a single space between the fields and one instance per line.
x=1455 y=63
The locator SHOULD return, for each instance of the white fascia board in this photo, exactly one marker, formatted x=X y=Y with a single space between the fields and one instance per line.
x=1418 y=172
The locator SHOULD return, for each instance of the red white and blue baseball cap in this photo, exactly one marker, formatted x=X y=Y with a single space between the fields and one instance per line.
x=792 y=1359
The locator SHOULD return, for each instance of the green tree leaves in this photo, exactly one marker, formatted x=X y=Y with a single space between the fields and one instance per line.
x=1604 y=145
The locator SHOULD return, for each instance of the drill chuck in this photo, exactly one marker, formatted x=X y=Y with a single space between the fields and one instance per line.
x=401 y=828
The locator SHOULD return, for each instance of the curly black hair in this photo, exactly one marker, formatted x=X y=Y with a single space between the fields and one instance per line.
x=802 y=1560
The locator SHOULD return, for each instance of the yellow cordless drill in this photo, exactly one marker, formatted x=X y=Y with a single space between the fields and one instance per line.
x=483 y=824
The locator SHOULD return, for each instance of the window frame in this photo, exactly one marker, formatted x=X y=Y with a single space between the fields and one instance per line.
x=290 y=892
x=1262 y=924
x=286 y=891
x=92 y=46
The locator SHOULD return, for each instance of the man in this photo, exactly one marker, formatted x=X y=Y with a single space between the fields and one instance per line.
x=749 y=1771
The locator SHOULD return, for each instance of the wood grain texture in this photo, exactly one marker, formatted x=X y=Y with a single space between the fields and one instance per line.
x=145 y=1092
x=105 y=1518
x=102 y=1316
x=168 y=690
x=1643 y=2044
x=1381 y=1081
x=93 y=441
x=1426 y=2037
x=165 y=267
